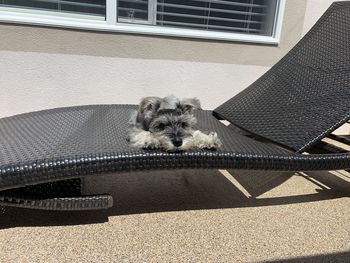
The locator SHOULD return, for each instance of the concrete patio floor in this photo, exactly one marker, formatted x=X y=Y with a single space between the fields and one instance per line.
x=192 y=216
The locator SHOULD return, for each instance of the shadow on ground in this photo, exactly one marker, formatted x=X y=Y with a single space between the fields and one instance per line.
x=161 y=191
x=333 y=257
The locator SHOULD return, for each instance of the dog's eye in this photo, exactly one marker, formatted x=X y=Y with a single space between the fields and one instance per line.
x=160 y=126
x=184 y=125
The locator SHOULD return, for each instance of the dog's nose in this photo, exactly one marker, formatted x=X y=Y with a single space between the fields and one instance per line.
x=177 y=142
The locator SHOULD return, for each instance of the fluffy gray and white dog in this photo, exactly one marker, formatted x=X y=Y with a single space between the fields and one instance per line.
x=169 y=124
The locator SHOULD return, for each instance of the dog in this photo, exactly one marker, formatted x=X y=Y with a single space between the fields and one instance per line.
x=169 y=124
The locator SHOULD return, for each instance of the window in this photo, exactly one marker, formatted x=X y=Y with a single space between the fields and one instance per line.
x=243 y=20
x=87 y=7
x=244 y=16
x=134 y=11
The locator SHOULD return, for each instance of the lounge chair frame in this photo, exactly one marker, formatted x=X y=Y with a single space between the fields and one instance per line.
x=277 y=123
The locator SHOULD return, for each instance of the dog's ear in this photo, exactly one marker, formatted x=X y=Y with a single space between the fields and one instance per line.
x=149 y=104
x=147 y=107
x=188 y=105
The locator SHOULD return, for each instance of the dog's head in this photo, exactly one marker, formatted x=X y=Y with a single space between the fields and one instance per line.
x=170 y=119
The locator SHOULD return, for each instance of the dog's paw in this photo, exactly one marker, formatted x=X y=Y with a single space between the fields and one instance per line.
x=143 y=139
x=151 y=144
x=209 y=141
x=214 y=142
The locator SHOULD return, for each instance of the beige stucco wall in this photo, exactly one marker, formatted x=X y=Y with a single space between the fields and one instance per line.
x=314 y=9
x=48 y=67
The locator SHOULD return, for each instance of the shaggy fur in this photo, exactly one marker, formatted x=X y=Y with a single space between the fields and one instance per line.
x=169 y=124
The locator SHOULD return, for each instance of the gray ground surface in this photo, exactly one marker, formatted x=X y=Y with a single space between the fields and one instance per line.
x=192 y=216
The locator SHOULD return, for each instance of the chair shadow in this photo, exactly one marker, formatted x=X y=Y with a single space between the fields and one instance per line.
x=332 y=257
x=164 y=191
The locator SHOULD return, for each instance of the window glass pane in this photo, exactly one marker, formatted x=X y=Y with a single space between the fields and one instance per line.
x=242 y=16
x=132 y=11
x=88 y=7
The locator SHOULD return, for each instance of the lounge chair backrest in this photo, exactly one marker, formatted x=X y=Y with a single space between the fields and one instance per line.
x=306 y=95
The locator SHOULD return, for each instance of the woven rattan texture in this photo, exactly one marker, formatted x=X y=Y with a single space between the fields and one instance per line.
x=93 y=130
x=63 y=195
x=71 y=142
x=103 y=201
x=306 y=95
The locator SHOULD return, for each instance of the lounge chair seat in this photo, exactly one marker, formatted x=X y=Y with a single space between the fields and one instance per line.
x=274 y=125
x=66 y=143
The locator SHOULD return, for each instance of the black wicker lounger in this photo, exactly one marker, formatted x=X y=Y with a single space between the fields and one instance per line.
x=284 y=114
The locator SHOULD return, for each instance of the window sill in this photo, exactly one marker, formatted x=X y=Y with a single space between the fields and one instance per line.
x=77 y=22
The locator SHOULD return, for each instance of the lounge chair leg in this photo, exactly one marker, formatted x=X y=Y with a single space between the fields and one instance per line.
x=60 y=196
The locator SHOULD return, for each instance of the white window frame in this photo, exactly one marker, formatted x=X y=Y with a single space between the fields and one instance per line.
x=110 y=24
